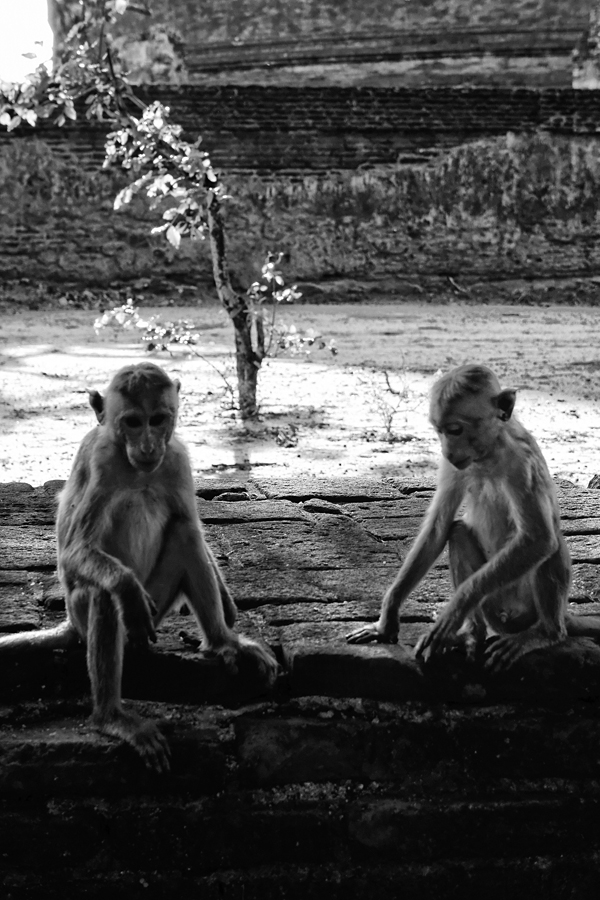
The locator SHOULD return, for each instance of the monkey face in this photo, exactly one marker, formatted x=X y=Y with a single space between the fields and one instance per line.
x=146 y=438
x=469 y=430
x=144 y=427
x=460 y=446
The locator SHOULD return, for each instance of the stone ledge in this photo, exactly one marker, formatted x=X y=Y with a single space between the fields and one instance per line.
x=308 y=561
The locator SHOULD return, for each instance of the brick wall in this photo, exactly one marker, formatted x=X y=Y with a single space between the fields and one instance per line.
x=320 y=129
x=505 y=186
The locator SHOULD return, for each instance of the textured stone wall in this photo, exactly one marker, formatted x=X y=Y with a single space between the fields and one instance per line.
x=313 y=129
x=245 y=21
x=349 y=42
x=511 y=207
x=490 y=206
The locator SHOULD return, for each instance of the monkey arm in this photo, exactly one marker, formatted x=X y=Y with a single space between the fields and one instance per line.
x=535 y=540
x=83 y=557
x=428 y=545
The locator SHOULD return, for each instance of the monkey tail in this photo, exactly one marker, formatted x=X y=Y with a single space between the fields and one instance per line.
x=583 y=626
x=61 y=637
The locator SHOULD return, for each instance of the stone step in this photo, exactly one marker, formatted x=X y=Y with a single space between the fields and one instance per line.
x=49 y=749
x=362 y=773
x=563 y=877
x=241 y=831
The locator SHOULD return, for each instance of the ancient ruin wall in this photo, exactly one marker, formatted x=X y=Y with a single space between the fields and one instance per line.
x=511 y=193
x=216 y=21
x=349 y=42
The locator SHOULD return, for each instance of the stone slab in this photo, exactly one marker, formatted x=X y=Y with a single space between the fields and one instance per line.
x=308 y=561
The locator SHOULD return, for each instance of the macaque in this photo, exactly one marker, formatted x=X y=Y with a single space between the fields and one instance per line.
x=509 y=564
x=130 y=544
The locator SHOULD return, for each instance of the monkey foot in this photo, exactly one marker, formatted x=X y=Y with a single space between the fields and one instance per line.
x=261 y=656
x=143 y=735
x=503 y=651
x=244 y=648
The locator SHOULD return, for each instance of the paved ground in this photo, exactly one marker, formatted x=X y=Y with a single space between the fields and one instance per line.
x=307 y=561
x=360 y=771
x=328 y=417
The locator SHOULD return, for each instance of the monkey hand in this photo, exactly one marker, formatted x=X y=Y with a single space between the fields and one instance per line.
x=374 y=632
x=138 y=612
x=441 y=635
x=240 y=648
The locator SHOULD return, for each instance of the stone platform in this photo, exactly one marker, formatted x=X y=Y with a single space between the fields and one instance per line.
x=361 y=774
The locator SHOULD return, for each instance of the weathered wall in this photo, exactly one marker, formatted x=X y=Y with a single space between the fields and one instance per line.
x=218 y=21
x=493 y=208
x=496 y=209
x=344 y=42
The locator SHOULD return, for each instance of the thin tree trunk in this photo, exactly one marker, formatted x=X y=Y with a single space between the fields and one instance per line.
x=248 y=359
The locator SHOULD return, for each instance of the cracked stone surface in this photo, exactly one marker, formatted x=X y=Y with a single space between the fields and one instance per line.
x=360 y=770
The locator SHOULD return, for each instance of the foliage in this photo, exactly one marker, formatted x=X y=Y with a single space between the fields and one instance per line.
x=389 y=401
x=89 y=79
x=86 y=73
x=175 y=175
x=168 y=168
x=159 y=336
x=278 y=337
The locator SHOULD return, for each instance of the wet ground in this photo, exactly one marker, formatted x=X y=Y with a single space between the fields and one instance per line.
x=362 y=412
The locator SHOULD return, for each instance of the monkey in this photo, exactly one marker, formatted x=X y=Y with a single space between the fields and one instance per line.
x=129 y=544
x=509 y=564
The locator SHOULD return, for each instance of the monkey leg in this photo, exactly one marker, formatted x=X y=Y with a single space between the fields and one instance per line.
x=105 y=642
x=166 y=582
x=187 y=567
x=537 y=619
x=464 y=552
x=229 y=607
x=465 y=556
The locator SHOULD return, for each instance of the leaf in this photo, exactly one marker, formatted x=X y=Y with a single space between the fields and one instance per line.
x=5 y=118
x=29 y=55
x=123 y=198
x=173 y=237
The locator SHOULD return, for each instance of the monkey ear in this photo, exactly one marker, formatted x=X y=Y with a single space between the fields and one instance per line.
x=505 y=401
x=97 y=404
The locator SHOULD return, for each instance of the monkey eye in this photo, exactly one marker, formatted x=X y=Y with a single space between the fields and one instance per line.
x=454 y=430
x=133 y=421
x=158 y=419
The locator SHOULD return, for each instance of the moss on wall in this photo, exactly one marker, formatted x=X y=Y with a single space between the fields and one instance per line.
x=503 y=208
x=515 y=206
